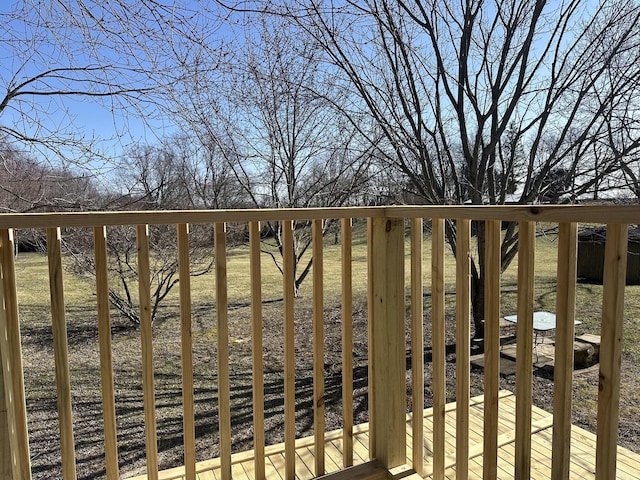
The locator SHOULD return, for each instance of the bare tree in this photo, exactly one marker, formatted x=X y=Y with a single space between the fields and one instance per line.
x=153 y=179
x=479 y=102
x=271 y=110
x=114 y=55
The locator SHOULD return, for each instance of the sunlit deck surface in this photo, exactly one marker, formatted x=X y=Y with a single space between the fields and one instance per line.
x=583 y=449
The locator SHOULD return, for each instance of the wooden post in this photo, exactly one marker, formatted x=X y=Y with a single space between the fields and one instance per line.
x=387 y=341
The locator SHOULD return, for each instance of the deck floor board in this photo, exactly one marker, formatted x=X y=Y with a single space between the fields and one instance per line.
x=583 y=445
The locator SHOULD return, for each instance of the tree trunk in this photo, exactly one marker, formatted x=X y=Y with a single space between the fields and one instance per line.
x=477 y=282
x=477 y=304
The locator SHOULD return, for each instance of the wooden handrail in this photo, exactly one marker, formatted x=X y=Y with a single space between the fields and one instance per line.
x=618 y=214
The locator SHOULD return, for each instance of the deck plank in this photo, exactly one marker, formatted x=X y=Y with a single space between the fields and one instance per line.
x=582 y=465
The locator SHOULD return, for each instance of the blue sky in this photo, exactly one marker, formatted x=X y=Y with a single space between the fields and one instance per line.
x=31 y=44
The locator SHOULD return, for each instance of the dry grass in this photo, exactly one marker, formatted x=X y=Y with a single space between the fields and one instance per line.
x=82 y=333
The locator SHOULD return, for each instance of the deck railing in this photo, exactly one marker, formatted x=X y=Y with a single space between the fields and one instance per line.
x=386 y=324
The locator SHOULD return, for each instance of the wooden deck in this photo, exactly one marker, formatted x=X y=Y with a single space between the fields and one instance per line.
x=583 y=448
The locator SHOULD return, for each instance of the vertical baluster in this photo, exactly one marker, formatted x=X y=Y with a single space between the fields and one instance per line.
x=438 y=345
x=524 y=347
x=256 y=337
x=615 y=269
x=491 y=347
x=370 y=390
x=289 y=350
x=8 y=443
x=318 y=347
x=188 y=412
x=463 y=345
x=417 y=346
x=61 y=354
x=106 y=361
x=224 y=393
x=11 y=346
x=146 y=334
x=347 y=345
x=565 y=333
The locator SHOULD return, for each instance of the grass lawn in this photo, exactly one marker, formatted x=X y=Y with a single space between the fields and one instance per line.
x=82 y=334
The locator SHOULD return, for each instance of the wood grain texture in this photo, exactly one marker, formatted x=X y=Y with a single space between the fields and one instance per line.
x=524 y=347
x=318 y=346
x=61 y=354
x=370 y=353
x=417 y=345
x=463 y=344
x=565 y=334
x=491 y=347
x=289 y=350
x=388 y=341
x=438 y=345
x=12 y=363
x=186 y=350
x=146 y=335
x=106 y=360
x=8 y=439
x=257 y=350
x=583 y=450
x=623 y=214
x=347 y=342
x=615 y=270
x=222 y=316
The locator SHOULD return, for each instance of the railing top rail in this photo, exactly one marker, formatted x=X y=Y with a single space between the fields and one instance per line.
x=158 y=217
x=538 y=213
x=629 y=214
